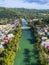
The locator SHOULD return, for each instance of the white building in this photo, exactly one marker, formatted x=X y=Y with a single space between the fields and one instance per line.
x=1 y=46
x=10 y=36
x=44 y=38
x=46 y=43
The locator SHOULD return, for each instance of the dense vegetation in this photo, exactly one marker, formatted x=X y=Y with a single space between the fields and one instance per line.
x=21 y=12
x=8 y=55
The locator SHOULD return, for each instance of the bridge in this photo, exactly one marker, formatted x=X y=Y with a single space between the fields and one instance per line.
x=25 y=27
x=24 y=24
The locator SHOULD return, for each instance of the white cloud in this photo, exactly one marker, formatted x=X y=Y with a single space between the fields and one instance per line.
x=21 y=3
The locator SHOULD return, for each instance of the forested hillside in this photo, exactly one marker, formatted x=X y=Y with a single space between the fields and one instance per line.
x=21 y=12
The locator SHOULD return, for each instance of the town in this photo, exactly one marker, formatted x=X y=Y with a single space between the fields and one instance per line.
x=6 y=32
x=24 y=36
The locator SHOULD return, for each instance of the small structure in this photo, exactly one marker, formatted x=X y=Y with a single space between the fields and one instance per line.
x=6 y=39
x=35 y=19
x=2 y=43
x=41 y=33
x=45 y=29
x=6 y=32
x=17 y=22
x=45 y=43
x=44 y=38
x=2 y=36
x=7 y=28
x=47 y=33
x=1 y=46
x=10 y=36
x=47 y=47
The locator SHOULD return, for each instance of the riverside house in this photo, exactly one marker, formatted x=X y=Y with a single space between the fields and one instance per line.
x=5 y=34
x=7 y=28
x=2 y=36
x=44 y=38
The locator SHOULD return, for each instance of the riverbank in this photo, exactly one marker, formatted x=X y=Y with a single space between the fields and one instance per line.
x=12 y=48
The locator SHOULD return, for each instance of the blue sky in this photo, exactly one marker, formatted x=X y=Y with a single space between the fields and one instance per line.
x=31 y=4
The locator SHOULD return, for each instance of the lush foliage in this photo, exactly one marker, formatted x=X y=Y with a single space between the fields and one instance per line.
x=11 y=48
x=21 y=12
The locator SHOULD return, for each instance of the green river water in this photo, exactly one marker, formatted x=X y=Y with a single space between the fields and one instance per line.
x=27 y=54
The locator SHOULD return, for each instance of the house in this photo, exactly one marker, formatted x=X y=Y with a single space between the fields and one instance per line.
x=35 y=19
x=6 y=39
x=45 y=43
x=47 y=47
x=2 y=43
x=1 y=46
x=48 y=33
x=45 y=30
x=2 y=36
x=17 y=22
x=7 y=28
x=44 y=38
x=10 y=36
x=41 y=32
x=6 y=32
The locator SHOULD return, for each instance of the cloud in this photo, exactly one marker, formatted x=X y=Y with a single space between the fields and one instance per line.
x=31 y=4
x=37 y=1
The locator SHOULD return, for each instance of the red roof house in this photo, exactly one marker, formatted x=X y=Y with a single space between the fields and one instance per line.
x=6 y=39
x=47 y=47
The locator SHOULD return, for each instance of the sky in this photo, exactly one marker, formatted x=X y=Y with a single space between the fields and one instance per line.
x=30 y=4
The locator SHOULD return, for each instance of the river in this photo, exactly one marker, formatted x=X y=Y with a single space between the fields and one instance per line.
x=27 y=53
